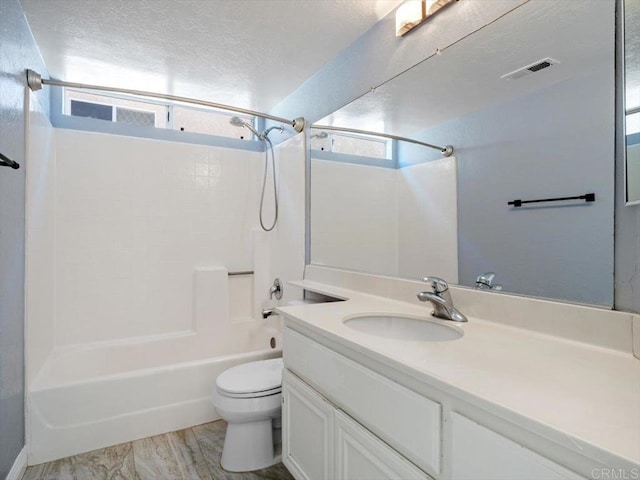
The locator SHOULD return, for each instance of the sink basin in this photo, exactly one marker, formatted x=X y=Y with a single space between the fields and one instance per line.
x=403 y=328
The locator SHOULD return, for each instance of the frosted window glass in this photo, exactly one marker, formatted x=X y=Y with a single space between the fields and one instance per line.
x=209 y=123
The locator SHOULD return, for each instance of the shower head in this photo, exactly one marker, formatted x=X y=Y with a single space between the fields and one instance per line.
x=238 y=122
x=268 y=130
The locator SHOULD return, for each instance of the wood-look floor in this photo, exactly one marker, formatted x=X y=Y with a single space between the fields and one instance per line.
x=191 y=454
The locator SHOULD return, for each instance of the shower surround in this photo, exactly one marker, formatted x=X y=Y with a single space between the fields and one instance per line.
x=131 y=313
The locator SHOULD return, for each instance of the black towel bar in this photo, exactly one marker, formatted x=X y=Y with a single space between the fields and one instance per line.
x=587 y=197
x=7 y=162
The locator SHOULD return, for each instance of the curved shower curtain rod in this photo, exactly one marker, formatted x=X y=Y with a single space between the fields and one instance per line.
x=447 y=151
x=35 y=82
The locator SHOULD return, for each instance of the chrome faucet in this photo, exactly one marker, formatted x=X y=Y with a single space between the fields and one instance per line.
x=485 y=282
x=441 y=300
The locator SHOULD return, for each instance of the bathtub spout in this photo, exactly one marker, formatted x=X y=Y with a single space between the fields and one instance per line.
x=267 y=312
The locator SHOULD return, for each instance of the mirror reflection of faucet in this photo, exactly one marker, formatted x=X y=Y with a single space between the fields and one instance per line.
x=485 y=282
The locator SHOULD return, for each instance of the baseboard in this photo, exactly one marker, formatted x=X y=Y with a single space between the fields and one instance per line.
x=19 y=466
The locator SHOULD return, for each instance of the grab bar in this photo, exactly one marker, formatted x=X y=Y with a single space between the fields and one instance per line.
x=241 y=272
x=7 y=162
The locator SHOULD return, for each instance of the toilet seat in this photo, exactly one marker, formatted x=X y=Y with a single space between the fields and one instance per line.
x=251 y=380
x=264 y=393
x=249 y=398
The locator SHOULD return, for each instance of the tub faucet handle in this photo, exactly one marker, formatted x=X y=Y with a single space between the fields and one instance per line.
x=276 y=289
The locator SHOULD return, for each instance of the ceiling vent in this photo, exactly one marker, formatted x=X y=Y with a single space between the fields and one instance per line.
x=529 y=69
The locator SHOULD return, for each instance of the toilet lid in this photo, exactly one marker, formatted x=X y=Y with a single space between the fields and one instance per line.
x=252 y=377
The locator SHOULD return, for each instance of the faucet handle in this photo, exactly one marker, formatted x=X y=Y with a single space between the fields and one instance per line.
x=276 y=289
x=486 y=278
x=438 y=285
x=485 y=282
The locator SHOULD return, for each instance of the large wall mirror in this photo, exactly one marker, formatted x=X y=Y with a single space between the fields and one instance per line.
x=632 y=99
x=545 y=131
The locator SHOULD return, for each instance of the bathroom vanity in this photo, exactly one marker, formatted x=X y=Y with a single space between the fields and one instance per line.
x=558 y=400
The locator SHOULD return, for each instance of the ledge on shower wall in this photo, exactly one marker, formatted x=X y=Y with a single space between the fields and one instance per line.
x=355 y=159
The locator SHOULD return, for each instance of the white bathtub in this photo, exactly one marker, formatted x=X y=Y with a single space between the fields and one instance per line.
x=92 y=396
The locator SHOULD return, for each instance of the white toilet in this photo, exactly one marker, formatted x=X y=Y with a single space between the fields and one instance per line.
x=249 y=398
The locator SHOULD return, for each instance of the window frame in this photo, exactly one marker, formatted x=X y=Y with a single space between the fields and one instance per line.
x=387 y=142
x=167 y=117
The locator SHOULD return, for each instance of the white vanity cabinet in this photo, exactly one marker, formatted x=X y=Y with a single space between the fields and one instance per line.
x=481 y=453
x=344 y=421
x=321 y=442
x=360 y=455
x=308 y=430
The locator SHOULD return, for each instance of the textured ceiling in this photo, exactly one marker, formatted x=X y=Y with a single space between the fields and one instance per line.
x=248 y=53
x=466 y=76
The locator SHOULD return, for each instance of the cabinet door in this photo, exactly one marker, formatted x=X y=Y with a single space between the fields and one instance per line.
x=307 y=423
x=480 y=453
x=404 y=419
x=359 y=455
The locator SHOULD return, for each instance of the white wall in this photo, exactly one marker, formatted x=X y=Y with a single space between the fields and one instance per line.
x=386 y=221
x=136 y=218
x=280 y=252
x=428 y=220
x=354 y=219
x=131 y=239
x=40 y=237
x=287 y=239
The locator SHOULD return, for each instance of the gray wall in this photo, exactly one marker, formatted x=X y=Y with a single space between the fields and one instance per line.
x=556 y=142
x=378 y=56
x=18 y=51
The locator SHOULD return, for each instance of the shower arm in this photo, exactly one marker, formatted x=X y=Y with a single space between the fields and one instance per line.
x=35 y=82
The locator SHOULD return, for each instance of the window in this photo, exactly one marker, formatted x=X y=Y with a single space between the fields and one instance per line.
x=208 y=122
x=114 y=109
x=153 y=113
x=91 y=110
x=135 y=117
x=351 y=144
x=112 y=113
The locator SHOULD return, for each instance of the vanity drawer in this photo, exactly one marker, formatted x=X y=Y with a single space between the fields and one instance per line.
x=407 y=421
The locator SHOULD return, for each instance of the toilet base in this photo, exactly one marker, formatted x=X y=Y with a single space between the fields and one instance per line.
x=248 y=446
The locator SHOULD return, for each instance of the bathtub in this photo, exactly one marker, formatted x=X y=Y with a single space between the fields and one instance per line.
x=92 y=396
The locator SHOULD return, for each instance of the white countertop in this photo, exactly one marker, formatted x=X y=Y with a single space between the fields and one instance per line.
x=589 y=393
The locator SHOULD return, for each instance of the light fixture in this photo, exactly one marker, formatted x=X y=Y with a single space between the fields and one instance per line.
x=409 y=15
x=413 y=12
